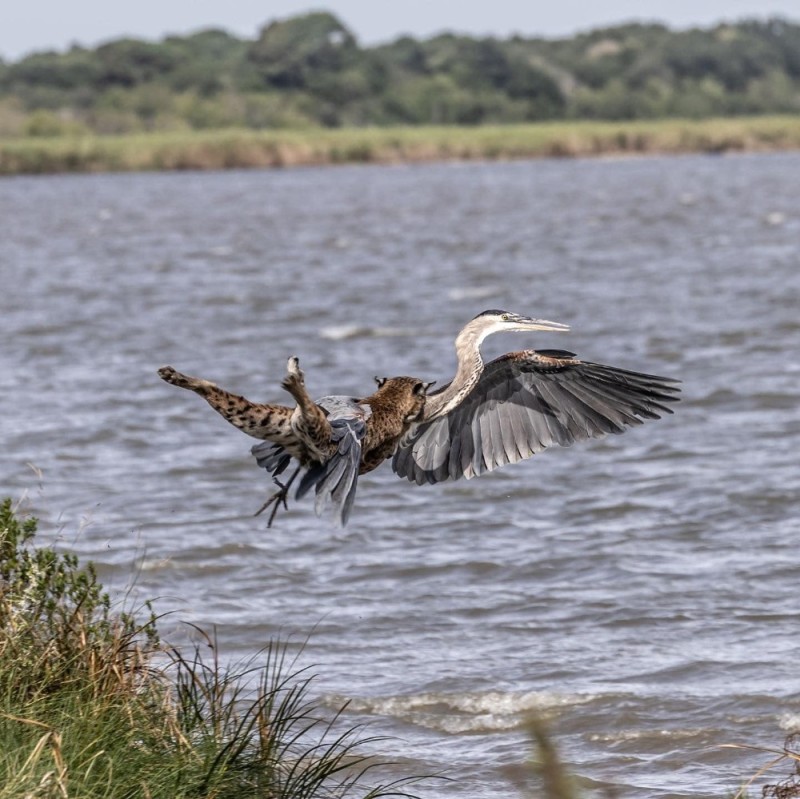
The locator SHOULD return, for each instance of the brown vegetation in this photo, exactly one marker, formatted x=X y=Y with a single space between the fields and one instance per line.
x=242 y=149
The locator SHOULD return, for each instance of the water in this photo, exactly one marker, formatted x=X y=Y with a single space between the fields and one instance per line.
x=639 y=593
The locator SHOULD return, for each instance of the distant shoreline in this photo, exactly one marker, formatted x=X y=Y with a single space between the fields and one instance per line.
x=242 y=149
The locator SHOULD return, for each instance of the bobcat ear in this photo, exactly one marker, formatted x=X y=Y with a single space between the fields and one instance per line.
x=421 y=389
x=380 y=381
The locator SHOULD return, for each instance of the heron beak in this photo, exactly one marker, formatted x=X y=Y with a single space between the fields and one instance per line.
x=527 y=323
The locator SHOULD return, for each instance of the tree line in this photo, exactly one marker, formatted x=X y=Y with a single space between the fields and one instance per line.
x=310 y=71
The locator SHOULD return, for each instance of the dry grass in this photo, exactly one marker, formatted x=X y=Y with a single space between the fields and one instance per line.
x=226 y=149
x=788 y=788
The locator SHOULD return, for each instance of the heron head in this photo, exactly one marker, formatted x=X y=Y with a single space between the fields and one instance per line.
x=495 y=321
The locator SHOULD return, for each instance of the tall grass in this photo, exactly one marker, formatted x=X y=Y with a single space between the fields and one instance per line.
x=93 y=705
x=224 y=149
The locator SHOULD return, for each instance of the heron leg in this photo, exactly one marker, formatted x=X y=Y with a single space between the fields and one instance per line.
x=278 y=497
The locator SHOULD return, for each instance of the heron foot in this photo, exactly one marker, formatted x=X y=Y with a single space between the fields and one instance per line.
x=278 y=498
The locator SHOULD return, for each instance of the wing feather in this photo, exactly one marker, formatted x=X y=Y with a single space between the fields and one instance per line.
x=335 y=480
x=524 y=403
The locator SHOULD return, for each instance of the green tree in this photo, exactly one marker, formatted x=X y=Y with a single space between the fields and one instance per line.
x=289 y=53
x=129 y=62
x=310 y=70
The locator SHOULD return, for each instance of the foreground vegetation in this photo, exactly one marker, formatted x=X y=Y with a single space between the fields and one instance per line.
x=241 y=149
x=310 y=71
x=91 y=705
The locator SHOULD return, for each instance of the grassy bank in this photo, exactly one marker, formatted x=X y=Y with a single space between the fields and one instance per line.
x=93 y=705
x=228 y=149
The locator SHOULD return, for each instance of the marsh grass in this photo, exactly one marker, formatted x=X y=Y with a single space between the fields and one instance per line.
x=93 y=705
x=788 y=788
x=226 y=149
x=544 y=775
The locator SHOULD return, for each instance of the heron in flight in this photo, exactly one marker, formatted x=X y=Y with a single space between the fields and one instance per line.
x=488 y=415
x=521 y=403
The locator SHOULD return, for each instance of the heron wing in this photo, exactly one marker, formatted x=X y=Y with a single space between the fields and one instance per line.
x=335 y=480
x=525 y=402
x=272 y=457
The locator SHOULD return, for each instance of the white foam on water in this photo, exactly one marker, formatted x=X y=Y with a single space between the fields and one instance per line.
x=458 y=713
x=789 y=722
x=473 y=292
x=626 y=736
x=344 y=332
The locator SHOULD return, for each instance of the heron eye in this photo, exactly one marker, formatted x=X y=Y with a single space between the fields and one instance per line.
x=506 y=317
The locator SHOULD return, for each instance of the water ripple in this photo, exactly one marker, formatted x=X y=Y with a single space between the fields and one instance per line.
x=639 y=593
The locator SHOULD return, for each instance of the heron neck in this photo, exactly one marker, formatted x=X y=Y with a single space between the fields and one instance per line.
x=470 y=368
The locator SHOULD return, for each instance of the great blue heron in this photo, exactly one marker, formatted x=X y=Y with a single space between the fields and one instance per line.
x=520 y=404
x=487 y=416
x=334 y=438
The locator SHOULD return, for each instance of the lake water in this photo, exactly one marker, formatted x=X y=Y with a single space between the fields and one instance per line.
x=639 y=593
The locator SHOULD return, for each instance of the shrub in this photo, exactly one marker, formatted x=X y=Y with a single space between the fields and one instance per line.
x=92 y=705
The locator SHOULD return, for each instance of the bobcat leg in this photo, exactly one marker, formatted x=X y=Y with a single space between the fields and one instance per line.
x=309 y=421
x=268 y=422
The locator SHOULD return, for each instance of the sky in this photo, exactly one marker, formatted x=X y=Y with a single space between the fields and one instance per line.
x=36 y=25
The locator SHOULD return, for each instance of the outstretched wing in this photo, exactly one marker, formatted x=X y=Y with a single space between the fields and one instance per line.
x=525 y=402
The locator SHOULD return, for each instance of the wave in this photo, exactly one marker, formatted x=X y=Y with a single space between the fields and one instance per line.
x=342 y=332
x=459 y=713
x=474 y=292
x=790 y=722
